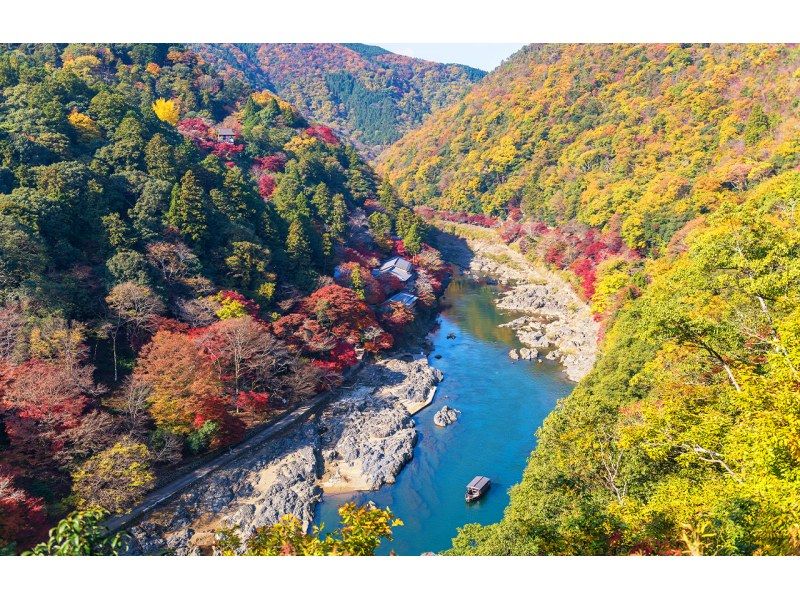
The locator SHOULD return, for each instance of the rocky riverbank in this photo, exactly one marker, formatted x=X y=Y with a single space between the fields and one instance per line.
x=554 y=323
x=359 y=441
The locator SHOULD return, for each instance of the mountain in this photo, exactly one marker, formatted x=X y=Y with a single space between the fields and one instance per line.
x=367 y=94
x=644 y=136
x=157 y=215
x=683 y=438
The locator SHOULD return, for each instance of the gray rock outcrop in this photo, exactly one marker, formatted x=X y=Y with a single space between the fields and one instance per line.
x=445 y=416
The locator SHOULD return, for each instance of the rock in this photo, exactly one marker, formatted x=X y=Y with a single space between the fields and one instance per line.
x=525 y=353
x=437 y=356
x=445 y=416
x=513 y=354
x=451 y=335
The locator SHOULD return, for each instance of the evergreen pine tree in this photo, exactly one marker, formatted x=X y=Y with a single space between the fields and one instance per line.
x=159 y=158
x=187 y=211
x=338 y=224
x=413 y=239
x=298 y=247
x=322 y=202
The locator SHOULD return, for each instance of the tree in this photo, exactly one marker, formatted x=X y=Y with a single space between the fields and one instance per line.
x=322 y=202
x=380 y=226
x=249 y=362
x=757 y=125
x=159 y=157
x=413 y=239
x=357 y=283
x=298 y=247
x=387 y=198
x=187 y=209
x=167 y=111
x=359 y=534
x=115 y=479
x=21 y=516
x=81 y=533
x=338 y=223
x=135 y=307
x=185 y=393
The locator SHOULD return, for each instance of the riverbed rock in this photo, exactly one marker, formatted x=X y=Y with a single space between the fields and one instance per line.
x=445 y=416
x=359 y=441
x=513 y=354
x=553 y=318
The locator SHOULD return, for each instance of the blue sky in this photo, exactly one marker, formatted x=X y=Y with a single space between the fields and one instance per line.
x=482 y=56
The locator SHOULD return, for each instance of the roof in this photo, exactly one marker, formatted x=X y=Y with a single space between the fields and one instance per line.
x=399 y=263
x=404 y=298
x=478 y=482
x=225 y=131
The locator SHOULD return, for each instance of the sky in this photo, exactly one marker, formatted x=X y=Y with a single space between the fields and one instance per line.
x=482 y=56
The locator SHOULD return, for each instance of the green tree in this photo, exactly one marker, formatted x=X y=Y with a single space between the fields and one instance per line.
x=298 y=247
x=757 y=125
x=322 y=202
x=187 y=209
x=81 y=533
x=159 y=157
x=380 y=225
x=357 y=283
x=387 y=198
x=413 y=239
x=338 y=223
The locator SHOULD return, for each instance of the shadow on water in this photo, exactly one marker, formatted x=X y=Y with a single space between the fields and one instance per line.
x=502 y=403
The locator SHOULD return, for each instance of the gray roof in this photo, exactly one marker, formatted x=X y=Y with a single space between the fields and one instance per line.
x=399 y=263
x=225 y=131
x=404 y=298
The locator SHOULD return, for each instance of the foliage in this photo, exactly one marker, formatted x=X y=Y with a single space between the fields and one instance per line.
x=683 y=438
x=81 y=534
x=371 y=97
x=360 y=532
x=652 y=135
x=167 y=110
x=114 y=479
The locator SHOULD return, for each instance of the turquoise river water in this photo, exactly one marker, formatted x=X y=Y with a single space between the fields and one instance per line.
x=502 y=403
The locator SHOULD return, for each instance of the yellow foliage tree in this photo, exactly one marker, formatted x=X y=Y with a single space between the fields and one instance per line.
x=84 y=126
x=167 y=110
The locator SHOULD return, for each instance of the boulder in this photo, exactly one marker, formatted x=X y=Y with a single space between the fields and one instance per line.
x=513 y=354
x=445 y=416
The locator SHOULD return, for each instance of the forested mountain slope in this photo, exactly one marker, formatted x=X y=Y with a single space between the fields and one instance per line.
x=643 y=137
x=368 y=94
x=684 y=438
x=167 y=236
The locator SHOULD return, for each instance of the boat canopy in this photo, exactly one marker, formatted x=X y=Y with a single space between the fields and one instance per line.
x=478 y=483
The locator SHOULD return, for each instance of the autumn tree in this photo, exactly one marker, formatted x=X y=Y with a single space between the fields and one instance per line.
x=167 y=110
x=134 y=307
x=360 y=532
x=185 y=393
x=115 y=479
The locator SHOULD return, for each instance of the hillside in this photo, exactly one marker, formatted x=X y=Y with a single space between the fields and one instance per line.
x=665 y=180
x=640 y=138
x=367 y=94
x=167 y=236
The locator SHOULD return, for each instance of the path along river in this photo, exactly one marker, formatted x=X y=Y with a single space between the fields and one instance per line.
x=502 y=403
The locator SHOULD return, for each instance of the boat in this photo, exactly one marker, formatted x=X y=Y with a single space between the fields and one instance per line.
x=477 y=488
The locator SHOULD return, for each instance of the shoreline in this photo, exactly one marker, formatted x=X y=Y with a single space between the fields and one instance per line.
x=553 y=323
x=360 y=440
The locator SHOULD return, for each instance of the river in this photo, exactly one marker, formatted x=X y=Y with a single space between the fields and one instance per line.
x=502 y=403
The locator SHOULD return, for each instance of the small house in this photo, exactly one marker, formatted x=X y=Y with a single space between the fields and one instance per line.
x=406 y=299
x=226 y=135
x=397 y=267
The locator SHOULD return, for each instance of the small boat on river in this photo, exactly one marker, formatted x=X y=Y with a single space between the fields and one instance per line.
x=477 y=488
